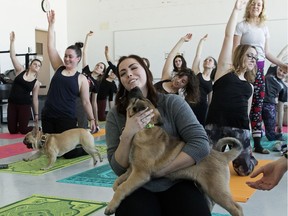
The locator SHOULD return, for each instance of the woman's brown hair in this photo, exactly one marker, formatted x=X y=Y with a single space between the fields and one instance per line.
x=121 y=100
x=191 y=90
x=239 y=56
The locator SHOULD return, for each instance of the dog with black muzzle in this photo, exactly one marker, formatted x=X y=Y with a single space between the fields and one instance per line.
x=152 y=149
x=56 y=145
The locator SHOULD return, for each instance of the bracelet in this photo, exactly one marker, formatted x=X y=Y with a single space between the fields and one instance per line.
x=91 y=119
x=35 y=114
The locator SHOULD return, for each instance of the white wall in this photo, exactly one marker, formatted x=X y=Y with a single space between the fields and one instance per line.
x=151 y=28
x=23 y=17
x=112 y=20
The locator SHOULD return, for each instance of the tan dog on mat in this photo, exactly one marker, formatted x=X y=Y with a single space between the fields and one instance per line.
x=153 y=149
x=55 y=145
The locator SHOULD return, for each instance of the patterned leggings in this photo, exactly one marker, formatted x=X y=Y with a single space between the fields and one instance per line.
x=269 y=118
x=244 y=164
x=257 y=101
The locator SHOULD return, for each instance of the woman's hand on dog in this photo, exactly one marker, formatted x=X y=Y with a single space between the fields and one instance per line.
x=138 y=121
x=93 y=127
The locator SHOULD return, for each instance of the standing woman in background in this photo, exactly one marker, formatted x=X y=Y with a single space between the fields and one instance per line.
x=205 y=81
x=107 y=88
x=94 y=78
x=19 y=101
x=59 y=112
x=253 y=31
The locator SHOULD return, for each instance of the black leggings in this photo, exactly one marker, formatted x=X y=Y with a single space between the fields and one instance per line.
x=18 y=117
x=51 y=125
x=184 y=198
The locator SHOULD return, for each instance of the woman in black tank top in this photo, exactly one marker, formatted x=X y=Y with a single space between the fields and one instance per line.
x=59 y=112
x=20 y=101
x=232 y=95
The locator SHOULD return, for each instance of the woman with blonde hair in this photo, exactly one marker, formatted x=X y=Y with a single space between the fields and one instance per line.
x=253 y=31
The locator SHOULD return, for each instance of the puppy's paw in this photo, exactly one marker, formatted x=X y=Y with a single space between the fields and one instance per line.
x=95 y=163
x=101 y=159
x=109 y=211
x=115 y=186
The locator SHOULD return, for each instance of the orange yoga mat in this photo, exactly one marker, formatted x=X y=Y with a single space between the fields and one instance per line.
x=102 y=132
x=241 y=192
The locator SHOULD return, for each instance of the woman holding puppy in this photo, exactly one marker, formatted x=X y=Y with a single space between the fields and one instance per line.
x=160 y=196
x=59 y=112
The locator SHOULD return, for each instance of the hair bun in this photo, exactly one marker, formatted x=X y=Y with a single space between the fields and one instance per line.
x=79 y=44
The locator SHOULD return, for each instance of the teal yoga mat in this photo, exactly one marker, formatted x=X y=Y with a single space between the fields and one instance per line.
x=101 y=176
x=218 y=214
x=270 y=144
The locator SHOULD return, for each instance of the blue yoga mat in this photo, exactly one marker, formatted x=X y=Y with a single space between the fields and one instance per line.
x=100 y=142
x=101 y=176
x=218 y=214
x=270 y=144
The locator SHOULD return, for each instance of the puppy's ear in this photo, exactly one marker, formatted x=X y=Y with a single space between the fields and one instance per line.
x=135 y=93
x=157 y=119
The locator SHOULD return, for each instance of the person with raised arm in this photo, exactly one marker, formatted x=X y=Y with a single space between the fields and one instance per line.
x=228 y=114
x=254 y=31
x=59 y=111
x=175 y=59
x=19 y=101
x=205 y=78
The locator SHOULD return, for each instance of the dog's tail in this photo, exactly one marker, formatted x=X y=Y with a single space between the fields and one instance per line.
x=234 y=145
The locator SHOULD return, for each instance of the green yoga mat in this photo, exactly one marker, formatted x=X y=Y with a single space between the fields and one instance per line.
x=34 y=167
x=101 y=176
x=36 y=205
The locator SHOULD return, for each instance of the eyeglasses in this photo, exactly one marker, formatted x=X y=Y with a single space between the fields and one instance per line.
x=251 y=57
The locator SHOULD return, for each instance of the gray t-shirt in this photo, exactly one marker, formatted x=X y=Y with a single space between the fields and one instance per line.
x=254 y=36
x=178 y=121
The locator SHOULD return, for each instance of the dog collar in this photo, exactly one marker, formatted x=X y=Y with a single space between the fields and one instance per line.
x=149 y=125
x=43 y=140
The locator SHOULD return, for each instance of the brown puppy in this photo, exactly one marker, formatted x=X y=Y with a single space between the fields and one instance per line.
x=153 y=149
x=55 y=145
